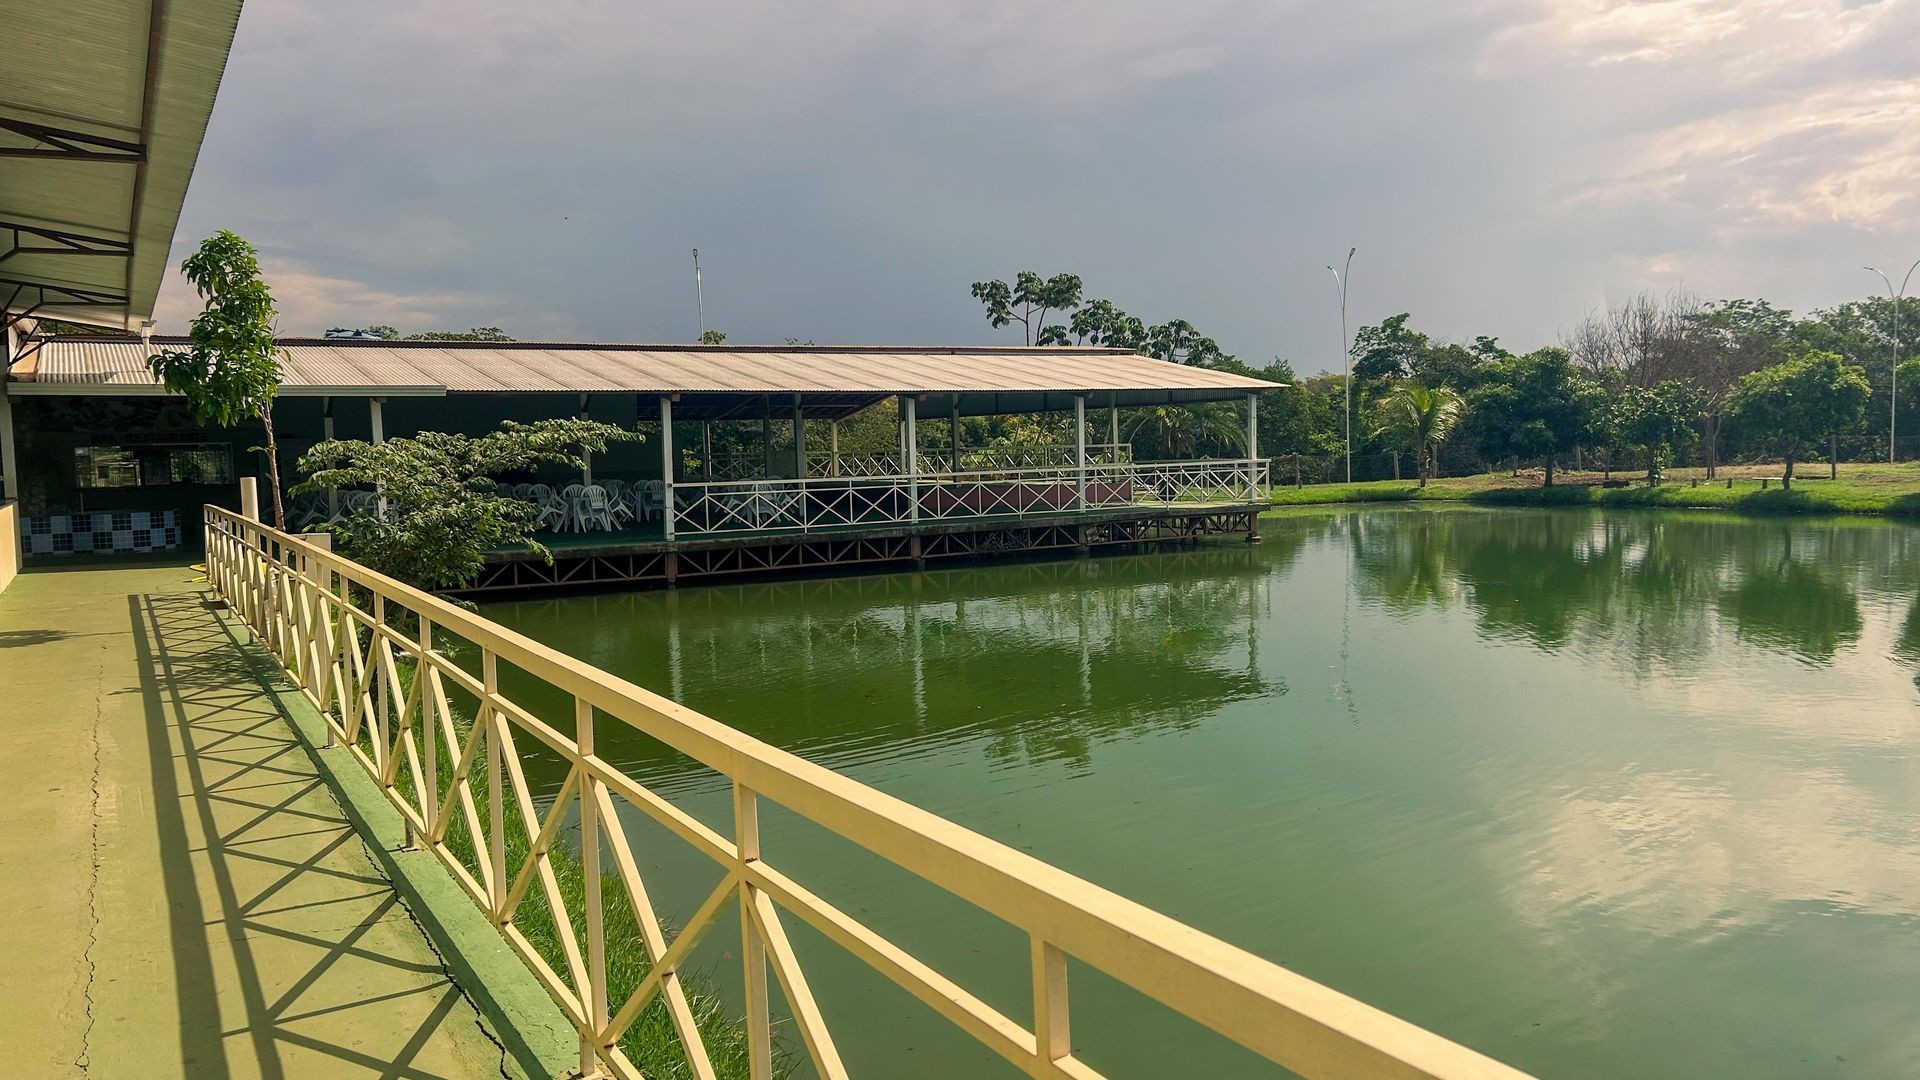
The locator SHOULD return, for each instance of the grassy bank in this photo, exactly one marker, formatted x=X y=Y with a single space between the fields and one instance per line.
x=1859 y=489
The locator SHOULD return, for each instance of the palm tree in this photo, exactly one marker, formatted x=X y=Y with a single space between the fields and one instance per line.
x=1419 y=418
x=1179 y=431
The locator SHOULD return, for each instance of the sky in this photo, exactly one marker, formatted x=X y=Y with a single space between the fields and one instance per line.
x=848 y=168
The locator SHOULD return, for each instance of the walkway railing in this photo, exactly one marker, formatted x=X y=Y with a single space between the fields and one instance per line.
x=349 y=637
x=824 y=502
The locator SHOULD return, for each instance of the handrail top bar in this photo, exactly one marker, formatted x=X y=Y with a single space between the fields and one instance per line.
x=1223 y=986
x=1014 y=471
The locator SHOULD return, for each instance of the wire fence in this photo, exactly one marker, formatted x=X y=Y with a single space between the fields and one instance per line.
x=1580 y=464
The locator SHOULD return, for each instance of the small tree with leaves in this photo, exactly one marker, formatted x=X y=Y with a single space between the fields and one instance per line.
x=444 y=508
x=1664 y=420
x=1788 y=408
x=713 y=337
x=1027 y=302
x=230 y=371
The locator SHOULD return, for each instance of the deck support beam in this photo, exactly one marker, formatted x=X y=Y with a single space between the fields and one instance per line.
x=666 y=463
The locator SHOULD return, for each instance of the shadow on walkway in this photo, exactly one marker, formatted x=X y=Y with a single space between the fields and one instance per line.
x=291 y=954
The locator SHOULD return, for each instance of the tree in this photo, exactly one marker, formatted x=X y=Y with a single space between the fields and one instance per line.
x=1533 y=406
x=1663 y=420
x=1388 y=351
x=712 y=337
x=1100 y=322
x=1790 y=407
x=1178 y=431
x=230 y=371
x=444 y=507
x=478 y=333
x=1028 y=301
x=1419 y=418
x=1178 y=342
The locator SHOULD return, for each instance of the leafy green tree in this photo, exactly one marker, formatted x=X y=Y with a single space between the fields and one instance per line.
x=1100 y=322
x=1534 y=406
x=1177 y=341
x=1388 y=351
x=230 y=371
x=444 y=506
x=1027 y=301
x=713 y=337
x=1664 y=421
x=478 y=333
x=1788 y=408
x=1416 y=417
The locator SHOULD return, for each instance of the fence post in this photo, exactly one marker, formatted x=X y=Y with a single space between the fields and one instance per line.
x=250 y=498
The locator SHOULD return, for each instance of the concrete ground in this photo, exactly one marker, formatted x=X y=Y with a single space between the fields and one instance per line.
x=180 y=895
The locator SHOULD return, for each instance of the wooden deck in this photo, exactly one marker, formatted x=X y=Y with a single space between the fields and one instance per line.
x=643 y=556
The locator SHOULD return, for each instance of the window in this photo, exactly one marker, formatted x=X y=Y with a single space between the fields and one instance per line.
x=157 y=465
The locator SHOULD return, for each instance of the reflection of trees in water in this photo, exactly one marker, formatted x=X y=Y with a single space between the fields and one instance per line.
x=1647 y=590
x=1041 y=661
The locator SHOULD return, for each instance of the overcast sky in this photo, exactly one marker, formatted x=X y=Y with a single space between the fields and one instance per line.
x=848 y=167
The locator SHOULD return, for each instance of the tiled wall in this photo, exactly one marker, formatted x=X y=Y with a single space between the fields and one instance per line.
x=103 y=532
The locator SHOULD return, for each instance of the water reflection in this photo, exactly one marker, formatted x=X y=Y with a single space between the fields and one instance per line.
x=1037 y=662
x=1644 y=589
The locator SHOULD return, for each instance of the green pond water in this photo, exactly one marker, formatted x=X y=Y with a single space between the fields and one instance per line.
x=1601 y=795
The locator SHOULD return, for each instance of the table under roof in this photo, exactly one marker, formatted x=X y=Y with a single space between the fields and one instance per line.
x=706 y=382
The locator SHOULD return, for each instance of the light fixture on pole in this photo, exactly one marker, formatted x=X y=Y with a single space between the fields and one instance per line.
x=699 y=299
x=1893 y=395
x=1346 y=354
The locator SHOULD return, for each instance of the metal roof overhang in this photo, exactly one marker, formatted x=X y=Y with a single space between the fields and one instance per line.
x=707 y=383
x=103 y=104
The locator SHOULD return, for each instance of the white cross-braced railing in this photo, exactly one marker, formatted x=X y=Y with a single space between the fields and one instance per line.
x=367 y=652
x=819 y=503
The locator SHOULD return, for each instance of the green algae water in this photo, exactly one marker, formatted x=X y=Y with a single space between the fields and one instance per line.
x=1599 y=794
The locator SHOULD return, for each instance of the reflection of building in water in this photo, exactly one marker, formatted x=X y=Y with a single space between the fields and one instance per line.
x=1038 y=661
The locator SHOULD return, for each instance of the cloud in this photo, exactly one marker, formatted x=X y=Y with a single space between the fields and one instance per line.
x=1847 y=154
x=310 y=302
x=1737 y=39
x=848 y=167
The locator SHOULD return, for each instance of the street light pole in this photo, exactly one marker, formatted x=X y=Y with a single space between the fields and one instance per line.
x=1346 y=354
x=1893 y=395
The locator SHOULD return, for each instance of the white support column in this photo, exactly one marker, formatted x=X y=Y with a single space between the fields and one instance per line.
x=250 y=498
x=955 y=466
x=799 y=441
x=833 y=448
x=1080 y=450
x=1253 y=447
x=586 y=455
x=911 y=435
x=666 y=463
x=326 y=432
x=706 y=450
x=1113 y=425
x=377 y=416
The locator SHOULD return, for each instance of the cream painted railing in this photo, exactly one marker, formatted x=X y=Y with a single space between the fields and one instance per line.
x=346 y=635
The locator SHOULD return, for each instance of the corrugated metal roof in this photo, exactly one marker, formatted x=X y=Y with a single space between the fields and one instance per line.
x=81 y=365
x=133 y=93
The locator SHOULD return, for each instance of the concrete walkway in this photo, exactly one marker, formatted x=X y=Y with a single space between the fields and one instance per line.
x=180 y=895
